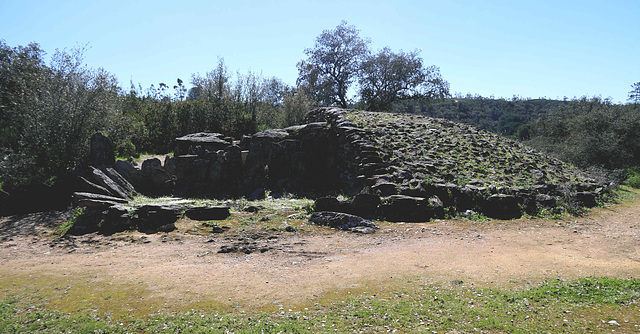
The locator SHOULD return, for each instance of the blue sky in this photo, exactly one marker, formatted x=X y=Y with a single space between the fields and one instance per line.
x=503 y=48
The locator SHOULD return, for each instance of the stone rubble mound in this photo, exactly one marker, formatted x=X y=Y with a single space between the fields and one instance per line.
x=397 y=167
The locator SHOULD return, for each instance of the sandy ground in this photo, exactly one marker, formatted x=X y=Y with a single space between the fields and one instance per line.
x=179 y=270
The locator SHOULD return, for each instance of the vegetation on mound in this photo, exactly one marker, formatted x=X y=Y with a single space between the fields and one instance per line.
x=589 y=132
x=576 y=306
x=441 y=151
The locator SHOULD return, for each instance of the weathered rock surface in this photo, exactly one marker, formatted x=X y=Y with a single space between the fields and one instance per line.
x=106 y=182
x=102 y=153
x=84 y=185
x=121 y=181
x=465 y=168
x=158 y=218
x=343 y=221
x=125 y=168
x=411 y=209
x=152 y=179
x=96 y=200
x=397 y=167
x=502 y=206
x=200 y=143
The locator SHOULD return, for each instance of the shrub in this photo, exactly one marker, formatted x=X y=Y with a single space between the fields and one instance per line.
x=633 y=181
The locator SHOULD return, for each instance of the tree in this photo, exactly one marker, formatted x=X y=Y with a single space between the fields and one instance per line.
x=49 y=112
x=591 y=132
x=180 y=90
x=388 y=77
x=214 y=85
x=634 y=95
x=332 y=64
x=297 y=104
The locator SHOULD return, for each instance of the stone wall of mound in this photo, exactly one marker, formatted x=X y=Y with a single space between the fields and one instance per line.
x=312 y=159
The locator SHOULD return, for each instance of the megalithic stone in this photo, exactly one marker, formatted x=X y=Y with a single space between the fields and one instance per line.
x=103 y=180
x=95 y=200
x=85 y=185
x=121 y=181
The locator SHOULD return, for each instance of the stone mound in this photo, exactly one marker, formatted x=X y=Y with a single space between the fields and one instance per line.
x=463 y=167
x=398 y=167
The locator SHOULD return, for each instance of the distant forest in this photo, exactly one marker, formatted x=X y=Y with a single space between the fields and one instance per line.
x=49 y=111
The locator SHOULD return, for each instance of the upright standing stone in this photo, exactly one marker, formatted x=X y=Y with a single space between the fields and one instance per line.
x=102 y=151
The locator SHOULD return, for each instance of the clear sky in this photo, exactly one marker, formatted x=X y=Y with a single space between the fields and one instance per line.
x=537 y=48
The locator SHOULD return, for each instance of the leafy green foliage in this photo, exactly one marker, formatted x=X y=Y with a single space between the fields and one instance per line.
x=218 y=102
x=388 y=77
x=633 y=180
x=509 y=117
x=634 y=94
x=332 y=64
x=340 y=57
x=591 y=132
x=49 y=112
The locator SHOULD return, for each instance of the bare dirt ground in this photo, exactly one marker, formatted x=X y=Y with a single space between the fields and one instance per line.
x=135 y=272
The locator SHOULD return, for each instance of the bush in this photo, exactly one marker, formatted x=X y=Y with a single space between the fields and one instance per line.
x=633 y=178
x=126 y=150
x=49 y=112
x=633 y=182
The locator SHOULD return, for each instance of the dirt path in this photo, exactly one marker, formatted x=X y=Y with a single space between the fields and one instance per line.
x=133 y=272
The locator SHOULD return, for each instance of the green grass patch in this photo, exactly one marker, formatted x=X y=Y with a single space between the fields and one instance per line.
x=627 y=193
x=76 y=218
x=574 y=306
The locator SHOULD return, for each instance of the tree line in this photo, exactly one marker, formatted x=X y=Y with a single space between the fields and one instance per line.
x=48 y=111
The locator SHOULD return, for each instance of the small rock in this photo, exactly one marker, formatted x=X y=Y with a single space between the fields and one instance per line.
x=342 y=221
x=253 y=208
x=228 y=249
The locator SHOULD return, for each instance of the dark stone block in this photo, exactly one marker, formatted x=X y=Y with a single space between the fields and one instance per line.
x=327 y=204
x=384 y=189
x=158 y=218
x=102 y=151
x=587 y=199
x=410 y=209
x=96 y=200
x=106 y=182
x=501 y=206
x=365 y=205
x=207 y=141
x=208 y=213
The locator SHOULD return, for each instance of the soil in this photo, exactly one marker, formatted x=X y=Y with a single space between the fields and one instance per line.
x=263 y=268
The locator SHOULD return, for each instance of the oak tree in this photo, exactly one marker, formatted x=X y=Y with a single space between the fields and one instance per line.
x=332 y=64
x=388 y=77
